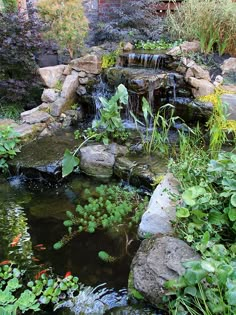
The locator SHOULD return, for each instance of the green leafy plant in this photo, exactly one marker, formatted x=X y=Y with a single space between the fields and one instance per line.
x=158 y=139
x=109 y=126
x=108 y=207
x=8 y=146
x=109 y=60
x=156 y=45
x=207 y=287
x=58 y=85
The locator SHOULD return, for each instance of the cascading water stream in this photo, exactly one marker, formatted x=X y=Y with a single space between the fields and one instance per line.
x=100 y=90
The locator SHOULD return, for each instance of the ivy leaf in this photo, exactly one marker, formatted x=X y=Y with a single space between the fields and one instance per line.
x=69 y=162
x=182 y=213
x=232 y=214
x=233 y=200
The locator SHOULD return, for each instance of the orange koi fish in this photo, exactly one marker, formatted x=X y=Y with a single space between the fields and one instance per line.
x=67 y=274
x=38 y=275
x=5 y=262
x=15 y=240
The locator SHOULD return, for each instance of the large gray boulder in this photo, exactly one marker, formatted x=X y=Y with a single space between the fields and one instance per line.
x=157 y=261
x=161 y=208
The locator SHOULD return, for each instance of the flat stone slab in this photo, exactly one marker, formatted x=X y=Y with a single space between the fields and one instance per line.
x=37 y=117
x=42 y=158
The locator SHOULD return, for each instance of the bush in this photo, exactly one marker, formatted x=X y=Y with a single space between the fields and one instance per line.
x=19 y=41
x=212 y=22
x=67 y=23
x=135 y=20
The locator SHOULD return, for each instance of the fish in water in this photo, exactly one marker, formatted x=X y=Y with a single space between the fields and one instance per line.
x=5 y=262
x=67 y=274
x=15 y=240
x=40 y=273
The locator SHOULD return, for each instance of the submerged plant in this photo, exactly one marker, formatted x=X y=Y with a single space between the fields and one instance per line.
x=108 y=207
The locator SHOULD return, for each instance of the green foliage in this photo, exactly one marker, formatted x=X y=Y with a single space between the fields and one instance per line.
x=108 y=207
x=8 y=146
x=17 y=296
x=215 y=30
x=9 y=5
x=69 y=162
x=109 y=60
x=10 y=110
x=67 y=23
x=158 y=139
x=207 y=287
x=58 y=85
x=155 y=45
x=111 y=111
x=108 y=126
x=218 y=119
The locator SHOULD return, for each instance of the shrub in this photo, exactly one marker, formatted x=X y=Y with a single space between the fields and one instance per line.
x=66 y=21
x=19 y=41
x=212 y=22
x=134 y=20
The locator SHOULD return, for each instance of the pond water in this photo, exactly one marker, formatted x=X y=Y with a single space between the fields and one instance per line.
x=31 y=221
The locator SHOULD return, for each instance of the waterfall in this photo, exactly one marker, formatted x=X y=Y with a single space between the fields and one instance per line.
x=100 y=90
x=156 y=61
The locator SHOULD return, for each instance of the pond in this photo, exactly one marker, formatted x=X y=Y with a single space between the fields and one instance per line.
x=31 y=221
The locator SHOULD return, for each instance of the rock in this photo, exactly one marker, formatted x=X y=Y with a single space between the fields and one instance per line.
x=70 y=85
x=157 y=261
x=184 y=48
x=175 y=51
x=41 y=159
x=201 y=87
x=89 y=63
x=37 y=117
x=117 y=149
x=71 y=118
x=7 y=123
x=193 y=111
x=29 y=132
x=81 y=90
x=51 y=75
x=67 y=70
x=128 y=47
x=123 y=167
x=229 y=88
x=49 y=95
x=218 y=80
x=189 y=73
x=230 y=99
x=161 y=208
x=59 y=106
x=82 y=74
x=229 y=65
x=28 y=112
x=83 y=80
x=96 y=161
x=199 y=72
x=187 y=47
x=45 y=133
